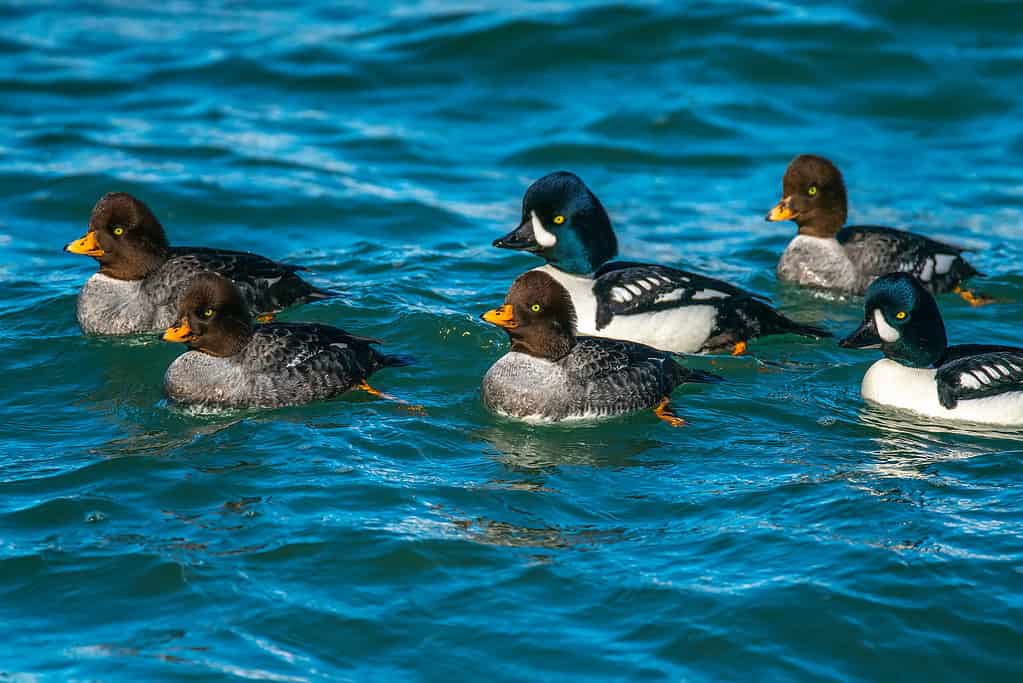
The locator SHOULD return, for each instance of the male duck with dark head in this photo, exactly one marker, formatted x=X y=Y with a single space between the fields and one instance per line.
x=141 y=276
x=921 y=372
x=827 y=255
x=550 y=374
x=564 y=223
x=234 y=363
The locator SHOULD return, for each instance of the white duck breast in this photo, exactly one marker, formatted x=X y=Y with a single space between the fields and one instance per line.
x=107 y=305
x=819 y=262
x=890 y=383
x=525 y=387
x=681 y=329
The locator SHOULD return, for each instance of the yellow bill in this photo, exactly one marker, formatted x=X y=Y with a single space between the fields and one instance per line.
x=181 y=333
x=502 y=317
x=87 y=246
x=782 y=211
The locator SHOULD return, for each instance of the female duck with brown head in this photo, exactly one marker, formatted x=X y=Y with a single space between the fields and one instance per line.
x=237 y=364
x=847 y=259
x=550 y=374
x=141 y=276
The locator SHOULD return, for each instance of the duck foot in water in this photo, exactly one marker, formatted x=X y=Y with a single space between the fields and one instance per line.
x=664 y=412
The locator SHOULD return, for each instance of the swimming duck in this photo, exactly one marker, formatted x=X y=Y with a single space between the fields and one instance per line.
x=233 y=363
x=141 y=276
x=921 y=372
x=828 y=256
x=564 y=223
x=550 y=374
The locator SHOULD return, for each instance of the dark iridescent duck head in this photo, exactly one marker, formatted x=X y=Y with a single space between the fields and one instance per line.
x=124 y=236
x=902 y=319
x=565 y=223
x=212 y=317
x=813 y=195
x=538 y=316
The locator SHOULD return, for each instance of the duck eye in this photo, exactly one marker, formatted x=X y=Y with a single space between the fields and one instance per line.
x=812 y=191
x=901 y=315
x=118 y=230
x=208 y=313
x=558 y=220
x=535 y=308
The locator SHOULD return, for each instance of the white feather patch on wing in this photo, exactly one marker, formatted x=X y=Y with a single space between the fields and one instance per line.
x=969 y=381
x=674 y=295
x=621 y=295
x=704 y=294
x=544 y=238
x=886 y=331
x=943 y=262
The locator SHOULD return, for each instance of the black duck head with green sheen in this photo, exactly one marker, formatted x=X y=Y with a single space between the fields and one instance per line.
x=565 y=224
x=902 y=319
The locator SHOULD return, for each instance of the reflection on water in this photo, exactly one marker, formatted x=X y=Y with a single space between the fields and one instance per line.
x=546 y=447
x=907 y=444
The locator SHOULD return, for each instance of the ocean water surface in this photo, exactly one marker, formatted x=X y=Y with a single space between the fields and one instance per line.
x=788 y=533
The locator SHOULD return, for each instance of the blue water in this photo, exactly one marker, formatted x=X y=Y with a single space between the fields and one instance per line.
x=788 y=533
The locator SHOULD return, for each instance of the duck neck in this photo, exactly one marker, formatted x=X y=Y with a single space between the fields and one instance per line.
x=547 y=343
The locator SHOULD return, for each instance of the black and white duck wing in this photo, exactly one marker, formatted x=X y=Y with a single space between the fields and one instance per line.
x=980 y=375
x=878 y=250
x=626 y=288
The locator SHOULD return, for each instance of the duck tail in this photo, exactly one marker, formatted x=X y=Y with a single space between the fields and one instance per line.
x=319 y=294
x=700 y=377
x=397 y=360
x=775 y=322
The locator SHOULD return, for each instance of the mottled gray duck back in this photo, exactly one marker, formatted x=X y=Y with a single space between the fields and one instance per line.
x=598 y=378
x=281 y=365
x=110 y=306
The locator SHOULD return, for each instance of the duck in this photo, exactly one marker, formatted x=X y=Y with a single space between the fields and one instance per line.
x=234 y=363
x=920 y=372
x=552 y=374
x=141 y=277
x=564 y=223
x=826 y=255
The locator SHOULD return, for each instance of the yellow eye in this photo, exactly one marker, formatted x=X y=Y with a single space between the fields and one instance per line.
x=118 y=231
x=901 y=315
x=208 y=313
x=812 y=191
x=558 y=220
x=535 y=308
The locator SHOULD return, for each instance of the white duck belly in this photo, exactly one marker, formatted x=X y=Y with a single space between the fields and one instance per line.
x=915 y=389
x=685 y=329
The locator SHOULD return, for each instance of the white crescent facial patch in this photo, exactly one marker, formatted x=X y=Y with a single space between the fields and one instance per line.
x=884 y=330
x=542 y=236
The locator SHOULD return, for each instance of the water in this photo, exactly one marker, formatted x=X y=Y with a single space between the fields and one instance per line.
x=788 y=533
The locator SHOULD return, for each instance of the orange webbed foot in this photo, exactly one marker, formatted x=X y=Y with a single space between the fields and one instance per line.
x=973 y=299
x=664 y=412
x=413 y=408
